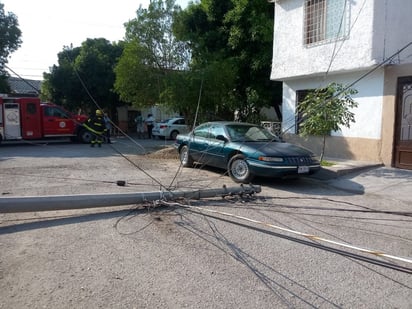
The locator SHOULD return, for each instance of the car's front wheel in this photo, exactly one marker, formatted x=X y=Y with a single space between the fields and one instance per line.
x=185 y=157
x=239 y=169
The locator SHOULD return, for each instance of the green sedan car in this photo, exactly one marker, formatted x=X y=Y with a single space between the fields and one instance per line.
x=245 y=150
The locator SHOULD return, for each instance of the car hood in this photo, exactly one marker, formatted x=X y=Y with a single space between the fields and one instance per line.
x=273 y=149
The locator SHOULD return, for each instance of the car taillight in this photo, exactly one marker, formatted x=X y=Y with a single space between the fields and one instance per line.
x=163 y=126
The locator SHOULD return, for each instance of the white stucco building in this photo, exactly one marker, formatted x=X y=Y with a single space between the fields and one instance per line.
x=367 y=43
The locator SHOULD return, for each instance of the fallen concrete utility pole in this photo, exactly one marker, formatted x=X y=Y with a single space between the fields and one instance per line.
x=62 y=202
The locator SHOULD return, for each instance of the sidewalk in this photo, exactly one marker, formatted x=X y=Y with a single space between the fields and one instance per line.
x=343 y=167
x=358 y=177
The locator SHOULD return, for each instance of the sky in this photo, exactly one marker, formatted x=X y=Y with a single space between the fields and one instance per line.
x=49 y=25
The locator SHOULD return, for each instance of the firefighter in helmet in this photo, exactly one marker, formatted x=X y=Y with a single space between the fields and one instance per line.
x=96 y=125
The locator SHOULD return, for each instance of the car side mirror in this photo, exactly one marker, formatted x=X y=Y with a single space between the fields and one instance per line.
x=221 y=138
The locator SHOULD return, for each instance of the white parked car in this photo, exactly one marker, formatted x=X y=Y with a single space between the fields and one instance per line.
x=170 y=128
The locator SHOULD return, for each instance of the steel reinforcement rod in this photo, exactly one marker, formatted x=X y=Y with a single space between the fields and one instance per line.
x=64 y=202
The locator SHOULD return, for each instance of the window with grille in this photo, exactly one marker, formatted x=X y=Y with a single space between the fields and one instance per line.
x=325 y=20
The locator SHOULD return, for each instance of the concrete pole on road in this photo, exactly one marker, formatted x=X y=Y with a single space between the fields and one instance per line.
x=64 y=202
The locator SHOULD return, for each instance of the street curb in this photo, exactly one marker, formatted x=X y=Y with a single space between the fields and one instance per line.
x=339 y=170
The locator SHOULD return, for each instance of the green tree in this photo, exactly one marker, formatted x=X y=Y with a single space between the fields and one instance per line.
x=153 y=63
x=10 y=41
x=85 y=76
x=325 y=110
x=208 y=87
x=239 y=30
x=61 y=85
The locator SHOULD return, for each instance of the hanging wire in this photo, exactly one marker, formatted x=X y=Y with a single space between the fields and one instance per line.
x=24 y=80
x=119 y=129
x=312 y=237
x=363 y=76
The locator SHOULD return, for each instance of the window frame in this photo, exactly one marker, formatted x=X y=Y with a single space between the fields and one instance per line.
x=325 y=21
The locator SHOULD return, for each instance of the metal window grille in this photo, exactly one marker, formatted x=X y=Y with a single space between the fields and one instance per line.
x=325 y=20
x=273 y=126
x=314 y=21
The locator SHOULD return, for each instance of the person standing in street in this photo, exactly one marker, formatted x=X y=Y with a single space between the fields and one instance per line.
x=108 y=125
x=149 y=124
x=96 y=126
x=139 y=126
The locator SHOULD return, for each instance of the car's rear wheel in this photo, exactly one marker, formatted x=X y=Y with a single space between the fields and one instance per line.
x=185 y=157
x=174 y=134
x=239 y=169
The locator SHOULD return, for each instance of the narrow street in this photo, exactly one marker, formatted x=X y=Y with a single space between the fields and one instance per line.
x=297 y=244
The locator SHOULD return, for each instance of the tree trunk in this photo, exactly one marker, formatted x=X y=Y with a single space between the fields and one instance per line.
x=323 y=148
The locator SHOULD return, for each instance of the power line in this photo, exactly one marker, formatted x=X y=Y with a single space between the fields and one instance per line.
x=24 y=80
x=335 y=52
x=377 y=66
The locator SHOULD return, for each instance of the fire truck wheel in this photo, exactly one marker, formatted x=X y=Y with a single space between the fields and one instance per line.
x=85 y=136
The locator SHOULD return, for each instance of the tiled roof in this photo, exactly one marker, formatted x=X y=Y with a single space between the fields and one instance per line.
x=24 y=86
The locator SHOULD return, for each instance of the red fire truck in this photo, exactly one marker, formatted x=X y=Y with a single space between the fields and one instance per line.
x=27 y=118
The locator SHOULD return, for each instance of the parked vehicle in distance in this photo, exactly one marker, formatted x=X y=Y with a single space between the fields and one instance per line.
x=28 y=118
x=170 y=128
x=245 y=150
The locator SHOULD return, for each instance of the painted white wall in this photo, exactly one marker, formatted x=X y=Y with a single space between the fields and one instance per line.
x=368 y=114
x=291 y=58
x=392 y=30
x=378 y=29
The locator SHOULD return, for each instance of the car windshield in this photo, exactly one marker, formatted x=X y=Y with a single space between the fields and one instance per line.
x=249 y=133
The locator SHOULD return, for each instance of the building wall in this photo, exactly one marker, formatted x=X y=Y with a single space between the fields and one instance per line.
x=368 y=114
x=291 y=58
x=371 y=138
x=362 y=141
x=361 y=149
x=127 y=114
x=392 y=25
x=378 y=29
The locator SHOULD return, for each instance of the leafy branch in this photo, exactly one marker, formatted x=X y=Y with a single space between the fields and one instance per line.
x=326 y=109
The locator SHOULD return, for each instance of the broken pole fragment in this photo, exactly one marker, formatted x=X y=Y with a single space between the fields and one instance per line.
x=64 y=202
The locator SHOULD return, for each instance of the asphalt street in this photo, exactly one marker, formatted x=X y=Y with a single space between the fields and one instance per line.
x=342 y=239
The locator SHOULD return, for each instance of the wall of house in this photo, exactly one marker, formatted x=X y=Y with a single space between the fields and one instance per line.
x=362 y=141
x=392 y=25
x=368 y=114
x=337 y=147
x=291 y=58
x=378 y=29
x=127 y=114
x=365 y=147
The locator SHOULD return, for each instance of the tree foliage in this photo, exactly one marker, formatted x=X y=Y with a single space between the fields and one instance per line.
x=209 y=87
x=84 y=76
x=10 y=41
x=230 y=56
x=239 y=30
x=325 y=110
x=153 y=67
x=215 y=52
